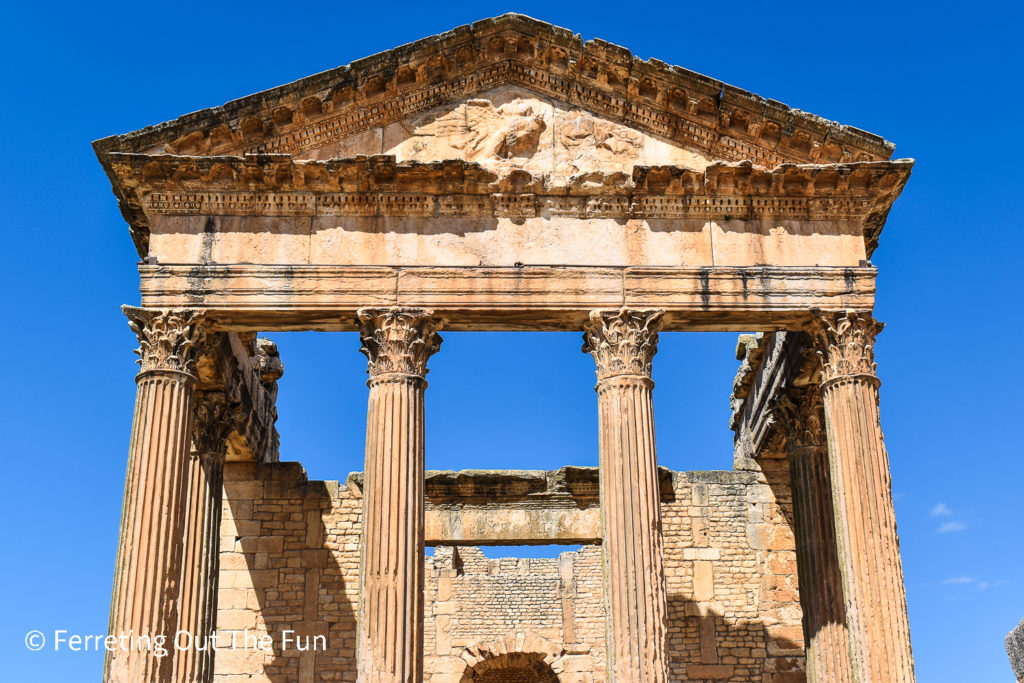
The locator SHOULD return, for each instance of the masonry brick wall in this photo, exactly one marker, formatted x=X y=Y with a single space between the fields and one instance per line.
x=475 y=603
x=290 y=561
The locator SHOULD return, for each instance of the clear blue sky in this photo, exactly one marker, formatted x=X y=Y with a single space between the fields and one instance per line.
x=940 y=79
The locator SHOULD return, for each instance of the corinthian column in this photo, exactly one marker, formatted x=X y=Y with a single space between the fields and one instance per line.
x=821 y=591
x=623 y=344
x=397 y=342
x=865 y=521
x=145 y=601
x=201 y=565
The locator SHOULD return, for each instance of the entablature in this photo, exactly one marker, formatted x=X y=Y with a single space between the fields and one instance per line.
x=278 y=298
x=380 y=187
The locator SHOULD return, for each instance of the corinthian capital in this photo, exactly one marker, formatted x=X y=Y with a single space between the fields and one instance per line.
x=215 y=420
x=622 y=342
x=168 y=339
x=800 y=416
x=398 y=340
x=845 y=344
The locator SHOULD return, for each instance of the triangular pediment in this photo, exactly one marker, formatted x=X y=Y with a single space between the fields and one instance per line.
x=512 y=78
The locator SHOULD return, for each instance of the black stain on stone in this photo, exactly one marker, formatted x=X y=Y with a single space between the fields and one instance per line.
x=849 y=279
x=705 y=288
x=196 y=285
x=209 y=230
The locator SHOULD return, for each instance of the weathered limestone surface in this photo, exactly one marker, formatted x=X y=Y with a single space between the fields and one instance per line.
x=150 y=547
x=361 y=100
x=527 y=298
x=506 y=176
x=509 y=176
x=623 y=344
x=1015 y=648
x=821 y=596
x=774 y=412
x=511 y=507
x=867 y=543
x=201 y=564
x=245 y=370
x=397 y=342
x=290 y=560
x=376 y=211
x=512 y=127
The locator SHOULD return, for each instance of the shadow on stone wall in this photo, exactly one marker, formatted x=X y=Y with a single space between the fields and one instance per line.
x=823 y=613
x=285 y=567
x=704 y=646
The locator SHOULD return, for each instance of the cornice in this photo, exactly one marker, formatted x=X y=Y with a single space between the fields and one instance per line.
x=278 y=185
x=693 y=110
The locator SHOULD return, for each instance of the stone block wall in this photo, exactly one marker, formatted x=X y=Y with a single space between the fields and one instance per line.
x=477 y=608
x=290 y=562
x=730 y=565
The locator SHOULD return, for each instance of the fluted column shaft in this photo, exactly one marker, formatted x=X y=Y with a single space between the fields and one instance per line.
x=623 y=344
x=144 y=606
x=201 y=563
x=397 y=343
x=865 y=519
x=821 y=592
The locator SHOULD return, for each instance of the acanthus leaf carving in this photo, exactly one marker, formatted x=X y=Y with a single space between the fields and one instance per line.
x=215 y=419
x=398 y=340
x=622 y=342
x=168 y=339
x=845 y=344
x=800 y=416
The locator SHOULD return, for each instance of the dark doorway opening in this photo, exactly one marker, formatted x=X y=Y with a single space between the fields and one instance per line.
x=513 y=667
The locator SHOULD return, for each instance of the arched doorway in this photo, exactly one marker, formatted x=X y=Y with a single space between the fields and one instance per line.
x=514 y=667
x=515 y=658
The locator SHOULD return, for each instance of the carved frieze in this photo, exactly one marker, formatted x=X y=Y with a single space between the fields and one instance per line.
x=670 y=102
x=576 y=109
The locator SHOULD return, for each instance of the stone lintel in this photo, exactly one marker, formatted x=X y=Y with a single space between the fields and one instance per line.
x=514 y=507
x=534 y=526
x=278 y=298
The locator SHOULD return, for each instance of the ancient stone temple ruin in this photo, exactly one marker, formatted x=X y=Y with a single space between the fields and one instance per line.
x=508 y=176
